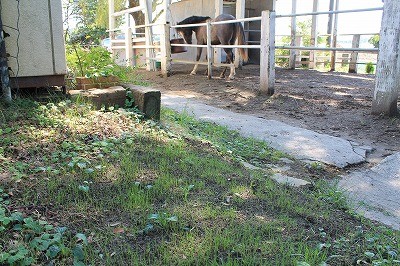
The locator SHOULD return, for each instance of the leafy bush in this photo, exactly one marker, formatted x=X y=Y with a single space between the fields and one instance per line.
x=95 y=62
x=369 y=68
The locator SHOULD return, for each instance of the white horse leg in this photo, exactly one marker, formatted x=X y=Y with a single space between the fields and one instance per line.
x=199 y=50
x=194 y=71
x=232 y=73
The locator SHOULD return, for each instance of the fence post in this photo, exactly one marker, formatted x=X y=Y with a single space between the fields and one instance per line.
x=334 y=38
x=292 y=57
x=240 y=13
x=354 y=55
x=165 y=51
x=209 y=51
x=219 y=9
x=128 y=47
x=313 y=42
x=267 y=61
x=111 y=24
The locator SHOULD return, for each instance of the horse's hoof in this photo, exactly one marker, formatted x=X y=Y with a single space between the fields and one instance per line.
x=231 y=78
x=192 y=73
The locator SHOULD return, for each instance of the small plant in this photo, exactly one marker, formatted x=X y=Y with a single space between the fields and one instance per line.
x=369 y=68
x=161 y=221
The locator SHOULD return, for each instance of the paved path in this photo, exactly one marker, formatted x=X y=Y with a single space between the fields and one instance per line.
x=301 y=143
x=375 y=191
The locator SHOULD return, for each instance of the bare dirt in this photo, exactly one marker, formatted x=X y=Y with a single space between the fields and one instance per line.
x=333 y=103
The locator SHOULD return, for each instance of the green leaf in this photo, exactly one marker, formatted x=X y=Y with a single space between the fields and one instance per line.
x=369 y=254
x=302 y=263
x=173 y=219
x=4 y=257
x=53 y=251
x=154 y=216
x=82 y=237
x=83 y=188
x=61 y=229
x=78 y=253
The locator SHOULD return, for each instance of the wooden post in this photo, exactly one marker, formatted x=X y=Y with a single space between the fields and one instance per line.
x=354 y=55
x=4 y=74
x=387 y=80
x=209 y=51
x=147 y=4
x=219 y=9
x=165 y=51
x=128 y=47
x=240 y=13
x=267 y=61
x=111 y=24
x=314 y=37
x=330 y=22
x=292 y=57
x=298 y=52
x=334 y=38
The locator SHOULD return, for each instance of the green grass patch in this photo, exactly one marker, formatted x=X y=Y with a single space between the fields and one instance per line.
x=127 y=191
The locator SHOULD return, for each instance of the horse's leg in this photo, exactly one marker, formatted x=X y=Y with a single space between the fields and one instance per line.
x=199 y=50
x=229 y=58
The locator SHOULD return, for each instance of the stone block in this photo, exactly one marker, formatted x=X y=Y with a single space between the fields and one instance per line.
x=83 y=83
x=147 y=100
x=102 y=97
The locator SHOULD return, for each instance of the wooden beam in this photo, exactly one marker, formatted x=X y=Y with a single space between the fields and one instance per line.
x=354 y=55
x=209 y=51
x=387 y=80
x=314 y=37
x=292 y=58
x=267 y=61
x=166 y=51
x=334 y=38
x=219 y=9
x=240 y=13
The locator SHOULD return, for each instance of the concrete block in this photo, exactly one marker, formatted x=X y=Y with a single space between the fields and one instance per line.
x=148 y=100
x=102 y=97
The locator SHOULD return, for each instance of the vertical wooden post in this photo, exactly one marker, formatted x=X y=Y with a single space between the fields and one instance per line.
x=330 y=23
x=334 y=38
x=165 y=51
x=387 y=80
x=219 y=9
x=240 y=13
x=298 y=56
x=111 y=24
x=209 y=51
x=147 y=4
x=267 y=61
x=314 y=37
x=292 y=57
x=354 y=55
x=271 y=69
x=4 y=74
x=128 y=47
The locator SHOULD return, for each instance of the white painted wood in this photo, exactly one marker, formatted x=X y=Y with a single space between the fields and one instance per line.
x=150 y=65
x=209 y=51
x=240 y=14
x=165 y=51
x=292 y=58
x=219 y=8
x=111 y=23
x=271 y=70
x=334 y=38
x=387 y=81
x=330 y=21
x=313 y=42
x=128 y=47
x=354 y=55
x=266 y=84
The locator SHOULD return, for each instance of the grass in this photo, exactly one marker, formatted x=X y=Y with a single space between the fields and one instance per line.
x=128 y=191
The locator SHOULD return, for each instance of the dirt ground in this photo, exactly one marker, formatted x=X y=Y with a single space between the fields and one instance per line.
x=334 y=103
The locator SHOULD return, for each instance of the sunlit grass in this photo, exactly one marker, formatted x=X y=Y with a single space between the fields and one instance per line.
x=173 y=193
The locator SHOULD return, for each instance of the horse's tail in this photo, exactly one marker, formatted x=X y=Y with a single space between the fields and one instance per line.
x=241 y=38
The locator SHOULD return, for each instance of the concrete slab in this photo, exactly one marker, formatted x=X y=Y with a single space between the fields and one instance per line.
x=290 y=181
x=301 y=143
x=375 y=191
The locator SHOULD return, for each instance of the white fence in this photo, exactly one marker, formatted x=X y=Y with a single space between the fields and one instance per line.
x=267 y=44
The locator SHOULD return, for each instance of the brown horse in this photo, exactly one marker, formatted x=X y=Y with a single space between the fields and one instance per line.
x=225 y=34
